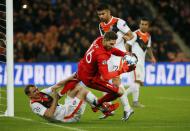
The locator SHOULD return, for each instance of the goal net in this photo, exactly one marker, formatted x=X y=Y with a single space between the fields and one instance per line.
x=6 y=58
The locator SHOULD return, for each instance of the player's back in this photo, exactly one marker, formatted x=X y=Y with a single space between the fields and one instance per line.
x=88 y=66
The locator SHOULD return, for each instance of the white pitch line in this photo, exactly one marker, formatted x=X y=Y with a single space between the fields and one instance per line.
x=75 y=129
x=50 y=124
x=139 y=127
x=174 y=99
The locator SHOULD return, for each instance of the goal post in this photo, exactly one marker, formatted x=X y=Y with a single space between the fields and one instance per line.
x=9 y=58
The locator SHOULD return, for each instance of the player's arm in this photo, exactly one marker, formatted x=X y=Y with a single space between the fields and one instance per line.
x=103 y=69
x=130 y=40
x=58 y=85
x=149 y=52
x=128 y=47
x=50 y=111
x=63 y=82
x=129 y=37
x=118 y=52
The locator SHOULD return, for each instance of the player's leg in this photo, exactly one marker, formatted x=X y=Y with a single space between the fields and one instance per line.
x=112 y=94
x=134 y=87
x=128 y=111
x=112 y=113
x=74 y=104
x=112 y=91
x=123 y=98
x=69 y=85
x=136 y=92
x=114 y=64
x=85 y=95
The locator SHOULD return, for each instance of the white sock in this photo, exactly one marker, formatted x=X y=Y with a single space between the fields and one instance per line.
x=130 y=89
x=91 y=98
x=136 y=92
x=124 y=100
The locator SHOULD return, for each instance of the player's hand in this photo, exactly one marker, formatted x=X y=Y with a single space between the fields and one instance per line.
x=55 y=95
x=128 y=53
x=131 y=68
x=128 y=36
x=153 y=60
x=124 y=67
x=127 y=68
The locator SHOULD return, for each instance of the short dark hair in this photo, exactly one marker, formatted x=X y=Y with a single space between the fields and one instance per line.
x=27 y=89
x=145 y=19
x=102 y=6
x=110 y=36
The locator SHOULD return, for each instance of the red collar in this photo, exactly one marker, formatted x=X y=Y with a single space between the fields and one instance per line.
x=41 y=99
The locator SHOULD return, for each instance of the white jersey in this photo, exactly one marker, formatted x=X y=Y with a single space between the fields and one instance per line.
x=117 y=25
x=139 y=47
x=120 y=27
x=71 y=111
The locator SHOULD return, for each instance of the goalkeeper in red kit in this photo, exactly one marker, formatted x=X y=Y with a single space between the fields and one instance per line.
x=93 y=69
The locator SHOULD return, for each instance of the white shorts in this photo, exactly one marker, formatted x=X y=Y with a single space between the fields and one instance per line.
x=139 y=73
x=114 y=63
x=74 y=109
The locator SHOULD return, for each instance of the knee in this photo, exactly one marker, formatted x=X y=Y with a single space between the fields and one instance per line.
x=116 y=81
x=121 y=91
x=135 y=87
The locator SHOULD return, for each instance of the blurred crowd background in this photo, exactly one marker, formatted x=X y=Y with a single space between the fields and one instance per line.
x=177 y=13
x=62 y=30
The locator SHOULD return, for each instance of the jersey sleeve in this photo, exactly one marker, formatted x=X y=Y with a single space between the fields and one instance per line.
x=47 y=90
x=122 y=26
x=38 y=108
x=117 y=52
x=149 y=42
x=103 y=68
x=132 y=41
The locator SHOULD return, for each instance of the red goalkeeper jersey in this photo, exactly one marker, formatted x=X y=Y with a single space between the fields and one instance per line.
x=94 y=62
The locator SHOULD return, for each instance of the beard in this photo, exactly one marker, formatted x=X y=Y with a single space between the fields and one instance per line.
x=103 y=20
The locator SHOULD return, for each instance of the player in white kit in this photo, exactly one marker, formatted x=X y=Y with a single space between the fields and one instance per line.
x=119 y=26
x=140 y=48
x=45 y=102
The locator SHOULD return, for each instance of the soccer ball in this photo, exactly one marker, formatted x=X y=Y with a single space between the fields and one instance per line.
x=131 y=59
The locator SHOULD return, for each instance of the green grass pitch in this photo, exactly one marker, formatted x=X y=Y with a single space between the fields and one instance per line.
x=167 y=109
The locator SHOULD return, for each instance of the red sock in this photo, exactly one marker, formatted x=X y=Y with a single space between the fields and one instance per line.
x=107 y=98
x=69 y=86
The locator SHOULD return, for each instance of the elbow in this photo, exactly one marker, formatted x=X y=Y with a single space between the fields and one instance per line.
x=134 y=36
x=133 y=39
x=106 y=77
x=49 y=114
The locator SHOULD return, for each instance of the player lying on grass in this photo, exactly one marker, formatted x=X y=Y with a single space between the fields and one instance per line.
x=45 y=102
